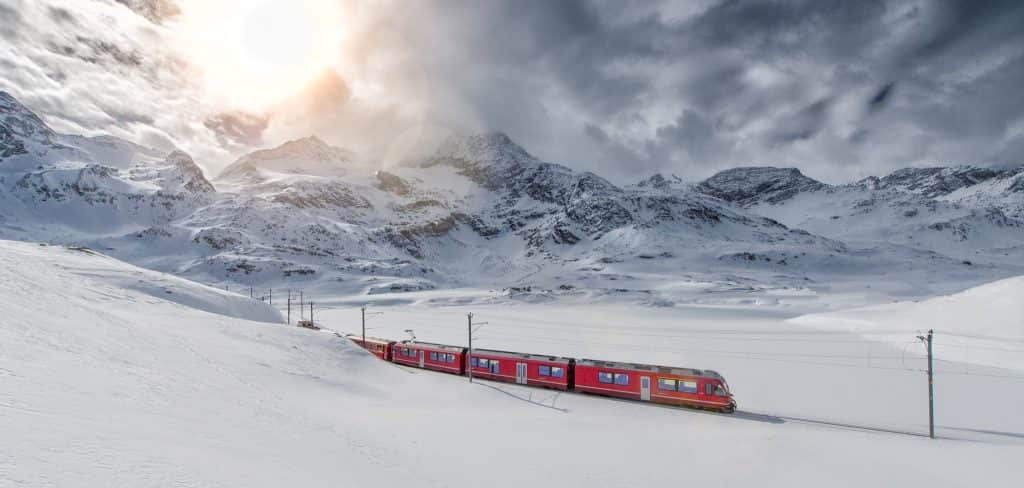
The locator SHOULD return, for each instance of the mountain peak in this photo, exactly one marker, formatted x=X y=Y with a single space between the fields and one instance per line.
x=306 y=156
x=755 y=184
x=937 y=181
x=487 y=147
x=660 y=182
x=308 y=141
x=19 y=124
x=191 y=174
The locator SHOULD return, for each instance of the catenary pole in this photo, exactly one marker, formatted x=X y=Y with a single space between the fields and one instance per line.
x=469 y=331
x=469 y=356
x=927 y=340
x=931 y=390
x=363 y=310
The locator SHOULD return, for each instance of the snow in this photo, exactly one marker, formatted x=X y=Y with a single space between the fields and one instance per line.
x=977 y=317
x=106 y=380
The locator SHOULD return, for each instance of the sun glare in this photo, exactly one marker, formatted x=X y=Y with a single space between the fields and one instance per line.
x=253 y=53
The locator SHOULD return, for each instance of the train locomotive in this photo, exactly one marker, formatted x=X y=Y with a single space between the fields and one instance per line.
x=685 y=387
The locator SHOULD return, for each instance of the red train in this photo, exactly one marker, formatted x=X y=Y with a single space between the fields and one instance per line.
x=650 y=383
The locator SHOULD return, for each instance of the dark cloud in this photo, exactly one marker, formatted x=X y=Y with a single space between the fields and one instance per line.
x=881 y=97
x=796 y=82
x=61 y=15
x=802 y=124
x=238 y=128
x=128 y=117
x=10 y=20
x=838 y=88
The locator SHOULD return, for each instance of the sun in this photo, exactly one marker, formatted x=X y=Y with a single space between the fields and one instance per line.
x=253 y=53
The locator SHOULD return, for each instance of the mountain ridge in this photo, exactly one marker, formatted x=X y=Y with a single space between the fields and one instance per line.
x=482 y=211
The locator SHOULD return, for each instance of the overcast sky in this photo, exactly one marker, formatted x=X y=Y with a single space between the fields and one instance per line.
x=840 y=89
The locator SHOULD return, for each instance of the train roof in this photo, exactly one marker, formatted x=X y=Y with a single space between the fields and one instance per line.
x=357 y=337
x=597 y=363
x=522 y=355
x=444 y=347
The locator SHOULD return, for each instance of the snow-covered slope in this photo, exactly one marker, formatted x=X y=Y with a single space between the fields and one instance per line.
x=78 y=271
x=974 y=325
x=104 y=385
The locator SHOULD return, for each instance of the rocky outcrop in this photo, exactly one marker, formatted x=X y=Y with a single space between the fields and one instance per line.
x=753 y=185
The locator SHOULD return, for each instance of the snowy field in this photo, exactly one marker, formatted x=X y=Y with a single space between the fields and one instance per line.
x=115 y=376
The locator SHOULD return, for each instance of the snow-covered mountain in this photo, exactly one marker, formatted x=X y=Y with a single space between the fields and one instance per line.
x=309 y=156
x=481 y=211
x=962 y=211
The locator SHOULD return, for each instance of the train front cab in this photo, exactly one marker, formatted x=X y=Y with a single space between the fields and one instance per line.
x=437 y=357
x=521 y=368
x=378 y=347
x=659 y=384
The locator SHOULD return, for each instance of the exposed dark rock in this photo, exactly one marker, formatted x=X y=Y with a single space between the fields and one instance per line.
x=749 y=186
x=392 y=183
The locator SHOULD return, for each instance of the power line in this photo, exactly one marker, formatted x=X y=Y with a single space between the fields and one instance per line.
x=985 y=337
x=701 y=350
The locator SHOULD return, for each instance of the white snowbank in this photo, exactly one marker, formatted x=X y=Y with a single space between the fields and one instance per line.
x=968 y=325
x=87 y=269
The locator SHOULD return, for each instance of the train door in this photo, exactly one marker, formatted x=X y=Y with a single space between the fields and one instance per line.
x=521 y=373
x=645 y=388
x=423 y=354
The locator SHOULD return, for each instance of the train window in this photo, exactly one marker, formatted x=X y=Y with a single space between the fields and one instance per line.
x=621 y=379
x=433 y=356
x=719 y=391
x=707 y=388
x=484 y=363
x=557 y=372
x=666 y=384
x=544 y=370
x=603 y=377
x=450 y=359
x=473 y=362
x=495 y=365
x=687 y=386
